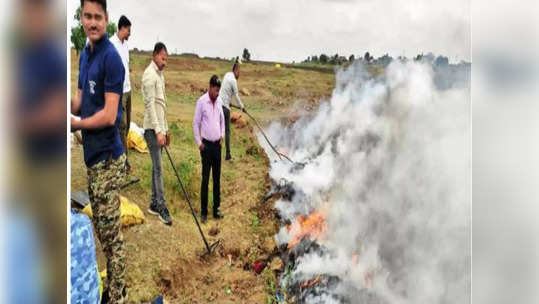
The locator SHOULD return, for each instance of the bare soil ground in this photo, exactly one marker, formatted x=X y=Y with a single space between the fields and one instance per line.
x=166 y=260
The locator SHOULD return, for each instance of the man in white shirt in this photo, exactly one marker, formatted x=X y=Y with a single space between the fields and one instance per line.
x=120 y=42
x=229 y=90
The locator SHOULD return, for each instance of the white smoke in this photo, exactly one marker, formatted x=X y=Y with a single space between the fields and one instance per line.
x=389 y=160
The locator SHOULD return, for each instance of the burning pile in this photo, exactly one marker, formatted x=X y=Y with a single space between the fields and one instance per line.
x=378 y=209
x=312 y=226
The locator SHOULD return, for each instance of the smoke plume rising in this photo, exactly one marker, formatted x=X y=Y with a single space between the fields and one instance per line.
x=387 y=159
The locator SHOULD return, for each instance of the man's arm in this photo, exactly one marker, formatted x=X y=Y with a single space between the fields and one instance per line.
x=236 y=94
x=101 y=119
x=148 y=91
x=196 y=125
x=76 y=103
x=222 y=121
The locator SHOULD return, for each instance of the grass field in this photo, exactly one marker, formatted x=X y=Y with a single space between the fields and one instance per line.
x=165 y=260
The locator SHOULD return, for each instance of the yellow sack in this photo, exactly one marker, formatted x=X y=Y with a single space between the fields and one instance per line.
x=100 y=277
x=130 y=214
x=136 y=141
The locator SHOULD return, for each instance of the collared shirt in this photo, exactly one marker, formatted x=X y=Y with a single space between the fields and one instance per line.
x=153 y=94
x=229 y=90
x=123 y=50
x=100 y=71
x=209 y=121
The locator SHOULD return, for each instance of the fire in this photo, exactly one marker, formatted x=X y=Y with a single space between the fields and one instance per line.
x=310 y=283
x=313 y=226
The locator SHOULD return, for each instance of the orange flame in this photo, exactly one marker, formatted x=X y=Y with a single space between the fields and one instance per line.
x=309 y=283
x=313 y=226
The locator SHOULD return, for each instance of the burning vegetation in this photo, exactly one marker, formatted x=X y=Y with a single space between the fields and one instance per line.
x=312 y=226
x=375 y=208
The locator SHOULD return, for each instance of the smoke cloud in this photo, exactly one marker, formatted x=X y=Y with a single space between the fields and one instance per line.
x=388 y=161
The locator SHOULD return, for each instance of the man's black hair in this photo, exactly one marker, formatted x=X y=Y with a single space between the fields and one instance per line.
x=158 y=47
x=102 y=2
x=123 y=22
x=214 y=81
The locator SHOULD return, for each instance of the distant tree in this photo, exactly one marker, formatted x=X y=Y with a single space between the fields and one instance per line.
x=246 y=55
x=384 y=60
x=334 y=59
x=111 y=29
x=419 y=57
x=367 y=57
x=324 y=58
x=314 y=58
x=351 y=58
x=429 y=58
x=78 y=37
x=441 y=61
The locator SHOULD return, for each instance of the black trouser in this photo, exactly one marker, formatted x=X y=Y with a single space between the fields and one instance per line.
x=226 y=113
x=211 y=159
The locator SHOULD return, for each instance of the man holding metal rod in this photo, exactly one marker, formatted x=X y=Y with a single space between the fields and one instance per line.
x=209 y=130
x=228 y=91
x=156 y=127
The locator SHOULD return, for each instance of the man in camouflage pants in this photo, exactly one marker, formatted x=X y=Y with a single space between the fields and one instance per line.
x=100 y=88
x=104 y=180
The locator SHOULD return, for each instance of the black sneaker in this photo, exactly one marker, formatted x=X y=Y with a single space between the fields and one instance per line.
x=218 y=215
x=162 y=212
x=153 y=209
x=228 y=157
x=164 y=216
x=203 y=219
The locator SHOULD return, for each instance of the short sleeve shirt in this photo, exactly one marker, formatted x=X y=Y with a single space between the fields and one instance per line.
x=100 y=71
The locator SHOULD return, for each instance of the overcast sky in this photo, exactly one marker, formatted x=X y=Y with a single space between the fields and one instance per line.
x=292 y=30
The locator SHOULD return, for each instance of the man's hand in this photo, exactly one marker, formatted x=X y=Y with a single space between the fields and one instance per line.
x=74 y=124
x=167 y=139
x=161 y=140
x=220 y=141
x=201 y=147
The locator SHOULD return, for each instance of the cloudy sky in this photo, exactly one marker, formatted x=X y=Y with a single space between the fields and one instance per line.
x=292 y=30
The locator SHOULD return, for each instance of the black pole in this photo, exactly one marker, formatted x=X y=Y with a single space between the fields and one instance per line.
x=264 y=134
x=188 y=201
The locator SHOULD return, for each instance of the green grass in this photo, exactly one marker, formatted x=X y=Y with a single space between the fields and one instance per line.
x=154 y=248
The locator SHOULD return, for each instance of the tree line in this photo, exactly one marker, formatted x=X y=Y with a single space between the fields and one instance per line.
x=383 y=60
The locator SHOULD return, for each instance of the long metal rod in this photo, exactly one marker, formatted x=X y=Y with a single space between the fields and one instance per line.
x=264 y=134
x=188 y=201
